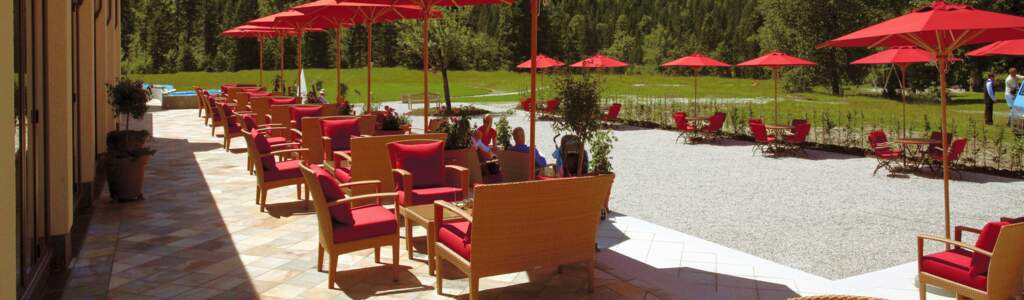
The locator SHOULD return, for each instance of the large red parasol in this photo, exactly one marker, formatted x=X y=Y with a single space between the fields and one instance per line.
x=259 y=33
x=543 y=62
x=599 y=62
x=1009 y=48
x=335 y=14
x=429 y=5
x=776 y=60
x=294 y=20
x=939 y=28
x=902 y=57
x=696 y=62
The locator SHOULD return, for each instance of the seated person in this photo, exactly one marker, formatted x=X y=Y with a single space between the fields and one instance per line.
x=488 y=159
x=520 y=138
x=488 y=136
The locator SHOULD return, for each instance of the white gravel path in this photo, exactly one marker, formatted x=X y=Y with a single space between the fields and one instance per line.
x=825 y=215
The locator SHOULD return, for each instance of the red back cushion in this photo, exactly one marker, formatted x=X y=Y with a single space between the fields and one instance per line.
x=263 y=147
x=341 y=214
x=250 y=123
x=987 y=241
x=340 y=132
x=424 y=161
x=299 y=112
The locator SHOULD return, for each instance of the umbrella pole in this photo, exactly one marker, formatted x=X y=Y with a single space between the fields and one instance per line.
x=533 y=88
x=369 y=65
x=695 y=74
x=903 y=87
x=426 y=69
x=775 y=78
x=942 y=59
x=337 y=62
x=298 y=65
x=260 y=40
x=280 y=60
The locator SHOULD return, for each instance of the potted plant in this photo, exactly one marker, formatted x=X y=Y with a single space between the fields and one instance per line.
x=457 y=145
x=504 y=133
x=601 y=160
x=392 y=123
x=128 y=150
x=580 y=110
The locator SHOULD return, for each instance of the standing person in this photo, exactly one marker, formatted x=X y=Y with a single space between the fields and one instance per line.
x=1012 y=85
x=990 y=97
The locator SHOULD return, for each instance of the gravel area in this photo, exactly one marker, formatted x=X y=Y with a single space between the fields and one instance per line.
x=826 y=214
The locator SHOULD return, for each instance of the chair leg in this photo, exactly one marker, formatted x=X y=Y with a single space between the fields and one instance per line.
x=438 y=278
x=334 y=269
x=408 y=238
x=263 y=199
x=922 y=289
x=227 y=142
x=376 y=255
x=394 y=259
x=474 y=287
x=320 y=258
x=258 y=192
x=590 y=276
x=879 y=166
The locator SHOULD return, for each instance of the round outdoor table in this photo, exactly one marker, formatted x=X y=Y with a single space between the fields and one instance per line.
x=914 y=147
x=778 y=129
x=698 y=122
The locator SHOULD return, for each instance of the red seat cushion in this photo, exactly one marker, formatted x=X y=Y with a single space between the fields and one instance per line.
x=283 y=101
x=424 y=161
x=953 y=265
x=340 y=132
x=456 y=236
x=283 y=170
x=368 y=221
x=341 y=214
x=429 y=195
x=277 y=140
x=299 y=112
x=263 y=147
x=986 y=241
x=343 y=175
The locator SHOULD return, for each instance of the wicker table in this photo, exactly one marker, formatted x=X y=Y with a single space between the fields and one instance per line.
x=423 y=215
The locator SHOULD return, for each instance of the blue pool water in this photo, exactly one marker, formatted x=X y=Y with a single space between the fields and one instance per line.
x=192 y=93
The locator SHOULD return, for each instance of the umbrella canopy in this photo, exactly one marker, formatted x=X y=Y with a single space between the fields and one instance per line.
x=939 y=28
x=298 y=22
x=1011 y=48
x=260 y=33
x=695 y=60
x=543 y=62
x=776 y=60
x=599 y=62
x=903 y=57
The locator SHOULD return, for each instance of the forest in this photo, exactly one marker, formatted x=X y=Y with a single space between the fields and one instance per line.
x=167 y=36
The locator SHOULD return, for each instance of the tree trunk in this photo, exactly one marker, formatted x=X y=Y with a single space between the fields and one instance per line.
x=447 y=93
x=836 y=80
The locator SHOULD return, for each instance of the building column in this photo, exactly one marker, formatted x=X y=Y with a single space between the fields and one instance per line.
x=59 y=135
x=100 y=67
x=8 y=205
x=86 y=99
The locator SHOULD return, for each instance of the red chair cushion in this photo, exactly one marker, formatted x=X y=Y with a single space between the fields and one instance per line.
x=953 y=265
x=288 y=169
x=986 y=241
x=343 y=175
x=277 y=140
x=283 y=101
x=263 y=147
x=340 y=214
x=369 y=221
x=340 y=132
x=299 y=112
x=424 y=161
x=455 y=235
x=428 y=195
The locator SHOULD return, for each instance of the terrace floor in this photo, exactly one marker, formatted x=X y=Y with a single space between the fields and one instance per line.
x=199 y=235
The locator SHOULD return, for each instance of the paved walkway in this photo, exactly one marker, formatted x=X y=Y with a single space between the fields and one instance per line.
x=199 y=235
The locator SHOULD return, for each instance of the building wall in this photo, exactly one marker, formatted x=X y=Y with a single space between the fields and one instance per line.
x=86 y=96
x=8 y=206
x=59 y=128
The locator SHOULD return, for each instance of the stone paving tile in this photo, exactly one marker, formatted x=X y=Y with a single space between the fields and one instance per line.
x=200 y=235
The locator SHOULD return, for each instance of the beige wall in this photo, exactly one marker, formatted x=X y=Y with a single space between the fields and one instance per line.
x=8 y=260
x=103 y=118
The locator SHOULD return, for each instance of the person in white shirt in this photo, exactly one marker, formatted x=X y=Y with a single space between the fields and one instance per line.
x=1012 y=84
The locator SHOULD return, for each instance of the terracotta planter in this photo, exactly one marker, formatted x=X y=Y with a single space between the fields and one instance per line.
x=465 y=158
x=125 y=177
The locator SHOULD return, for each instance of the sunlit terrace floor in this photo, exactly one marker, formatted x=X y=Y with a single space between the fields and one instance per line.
x=199 y=235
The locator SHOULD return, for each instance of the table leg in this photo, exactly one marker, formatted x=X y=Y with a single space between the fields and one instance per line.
x=430 y=247
x=408 y=237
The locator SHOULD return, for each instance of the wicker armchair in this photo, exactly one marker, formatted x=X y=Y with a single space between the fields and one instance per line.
x=951 y=270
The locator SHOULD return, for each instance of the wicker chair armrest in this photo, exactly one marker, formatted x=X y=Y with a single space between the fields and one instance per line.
x=457 y=176
x=406 y=180
x=445 y=205
x=961 y=229
x=284 y=145
x=376 y=196
x=923 y=237
x=286 y=151
x=376 y=183
x=343 y=156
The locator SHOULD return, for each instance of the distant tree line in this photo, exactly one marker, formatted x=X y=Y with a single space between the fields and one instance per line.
x=163 y=36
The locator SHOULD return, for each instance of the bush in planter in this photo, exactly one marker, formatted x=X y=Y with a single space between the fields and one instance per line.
x=128 y=151
x=458 y=130
x=580 y=110
x=601 y=152
x=391 y=120
x=504 y=133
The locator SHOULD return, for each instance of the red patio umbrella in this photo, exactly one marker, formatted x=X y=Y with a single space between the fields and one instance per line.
x=902 y=57
x=695 y=62
x=776 y=60
x=335 y=14
x=291 y=19
x=543 y=62
x=258 y=32
x=429 y=5
x=599 y=62
x=939 y=28
x=1009 y=48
